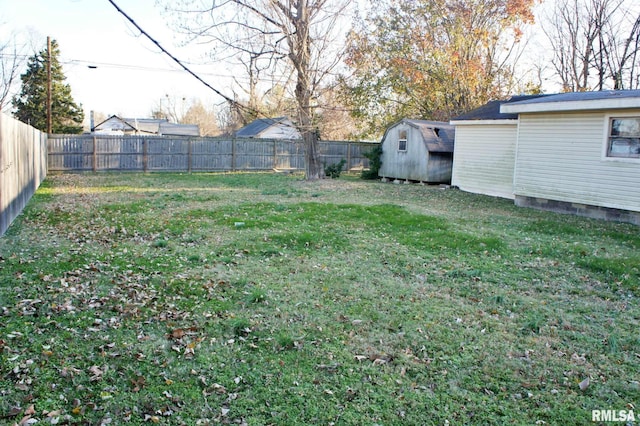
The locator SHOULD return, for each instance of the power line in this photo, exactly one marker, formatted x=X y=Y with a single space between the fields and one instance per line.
x=94 y=64
x=176 y=60
x=233 y=102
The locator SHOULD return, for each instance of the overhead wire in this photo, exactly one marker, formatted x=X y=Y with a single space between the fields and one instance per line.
x=182 y=65
x=233 y=102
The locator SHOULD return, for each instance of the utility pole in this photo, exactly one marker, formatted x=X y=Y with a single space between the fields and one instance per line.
x=49 y=97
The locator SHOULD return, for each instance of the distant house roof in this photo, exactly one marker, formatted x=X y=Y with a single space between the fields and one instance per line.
x=606 y=99
x=114 y=124
x=491 y=110
x=438 y=136
x=151 y=126
x=174 y=129
x=258 y=127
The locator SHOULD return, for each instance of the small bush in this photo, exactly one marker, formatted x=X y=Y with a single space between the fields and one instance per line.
x=333 y=170
x=375 y=162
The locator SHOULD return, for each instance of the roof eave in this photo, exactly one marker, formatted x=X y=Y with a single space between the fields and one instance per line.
x=584 y=105
x=510 y=121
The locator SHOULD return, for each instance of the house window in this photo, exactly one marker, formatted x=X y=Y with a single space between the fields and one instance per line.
x=624 y=137
x=402 y=140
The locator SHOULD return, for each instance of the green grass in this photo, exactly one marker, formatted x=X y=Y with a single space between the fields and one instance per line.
x=264 y=299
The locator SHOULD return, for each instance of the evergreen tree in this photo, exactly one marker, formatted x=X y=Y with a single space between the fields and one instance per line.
x=31 y=103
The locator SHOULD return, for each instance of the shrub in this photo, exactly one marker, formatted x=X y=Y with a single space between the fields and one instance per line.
x=375 y=162
x=333 y=170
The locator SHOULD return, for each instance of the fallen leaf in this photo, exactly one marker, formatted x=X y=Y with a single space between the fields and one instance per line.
x=584 y=384
x=152 y=419
x=138 y=383
x=96 y=373
x=219 y=388
x=26 y=420
x=14 y=411
x=177 y=334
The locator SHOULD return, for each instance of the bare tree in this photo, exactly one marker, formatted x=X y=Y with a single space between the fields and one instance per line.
x=206 y=119
x=12 y=60
x=594 y=43
x=620 y=51
x=302 y=33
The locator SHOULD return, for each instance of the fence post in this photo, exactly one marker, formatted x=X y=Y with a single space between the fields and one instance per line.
x=95 y=154
x=145 y=158
x=233 y=153
x=189 y=155
x=348 y=156
x=275 y=155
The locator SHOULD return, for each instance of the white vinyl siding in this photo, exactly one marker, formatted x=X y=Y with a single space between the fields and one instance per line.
x=484 y=157
x=559 y=156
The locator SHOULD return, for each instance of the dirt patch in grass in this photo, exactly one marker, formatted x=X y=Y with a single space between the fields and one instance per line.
x=265 y=299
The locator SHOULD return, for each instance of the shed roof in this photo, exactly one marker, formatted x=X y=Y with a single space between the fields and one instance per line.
x=491 y=110
x=576 y=101
x=438 y=136
x=258 y=126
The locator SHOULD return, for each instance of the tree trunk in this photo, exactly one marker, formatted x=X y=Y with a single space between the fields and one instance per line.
x=301 y=56
x=314 y=169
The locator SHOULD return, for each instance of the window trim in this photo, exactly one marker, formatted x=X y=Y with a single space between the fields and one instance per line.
x=401 y=139
x=608 y=119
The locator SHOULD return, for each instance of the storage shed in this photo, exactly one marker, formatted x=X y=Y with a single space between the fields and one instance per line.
x=579 y=153
x=485 y=149
x=418 y=150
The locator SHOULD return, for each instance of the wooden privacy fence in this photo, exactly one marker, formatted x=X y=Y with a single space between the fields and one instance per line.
x=189 y=154
x=23 y=166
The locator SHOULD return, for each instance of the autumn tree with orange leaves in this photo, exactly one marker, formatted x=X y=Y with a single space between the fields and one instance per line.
x=432 y=59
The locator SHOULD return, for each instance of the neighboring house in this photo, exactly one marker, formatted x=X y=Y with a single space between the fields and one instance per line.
x=579 y=153
x=115 y=125
x=174 y=129
x=418 y=150
x=485 y=148
x=270 y=128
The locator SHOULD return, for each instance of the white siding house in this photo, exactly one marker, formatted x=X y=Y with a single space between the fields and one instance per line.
x=115 y=125
x=485 y=148
x=579 y=153
x=418 y=150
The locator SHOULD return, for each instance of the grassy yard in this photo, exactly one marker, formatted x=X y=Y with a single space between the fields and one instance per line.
x=261 y=299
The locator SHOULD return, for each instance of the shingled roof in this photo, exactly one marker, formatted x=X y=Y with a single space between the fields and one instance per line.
x=438 y=136
x=491 y=110
x=258 y=126
x=578 y=101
